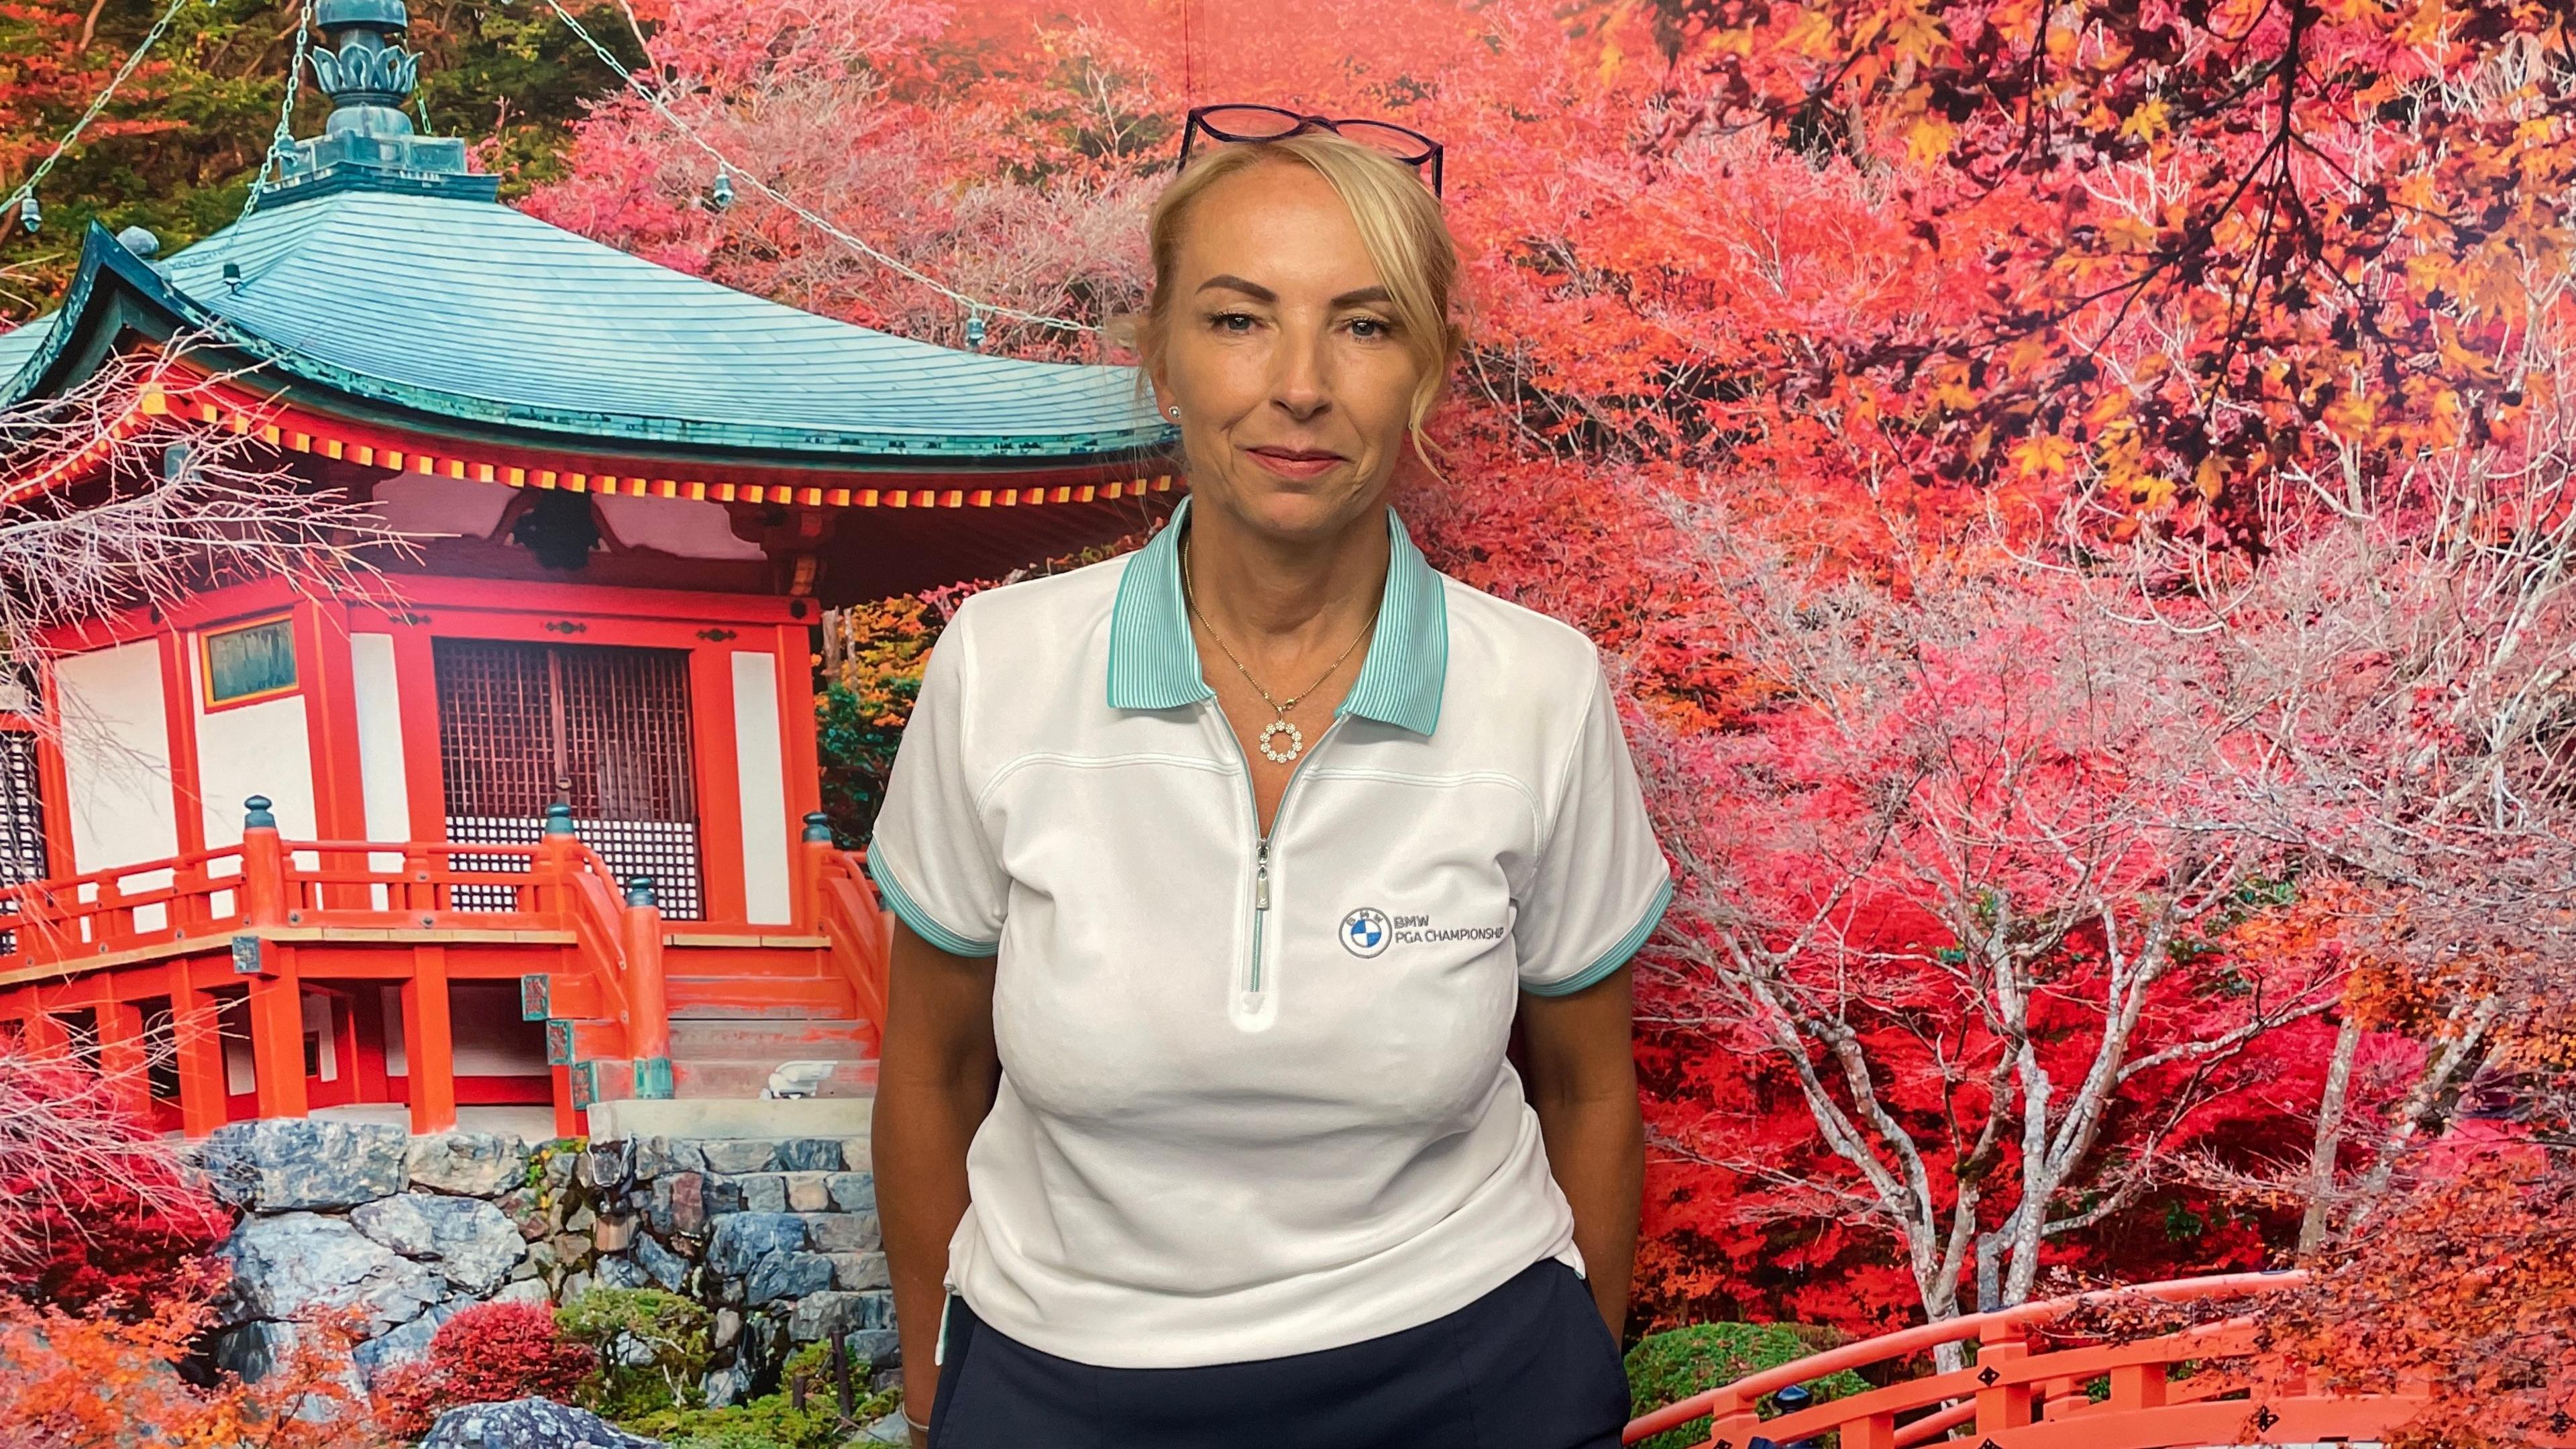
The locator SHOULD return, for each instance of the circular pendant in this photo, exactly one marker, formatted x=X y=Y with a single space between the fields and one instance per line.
x=1296 y=741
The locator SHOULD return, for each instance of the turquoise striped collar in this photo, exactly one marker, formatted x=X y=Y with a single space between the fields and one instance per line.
x=1154 y=665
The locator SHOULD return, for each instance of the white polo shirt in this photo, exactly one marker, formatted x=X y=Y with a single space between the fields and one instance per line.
x=1254 y=1100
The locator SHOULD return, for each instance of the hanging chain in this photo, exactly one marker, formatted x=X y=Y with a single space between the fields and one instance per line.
x=26 y=192
x=284 y=136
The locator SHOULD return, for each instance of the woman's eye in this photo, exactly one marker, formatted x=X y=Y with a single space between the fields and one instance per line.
x=1237 y=322
x=1370 y=329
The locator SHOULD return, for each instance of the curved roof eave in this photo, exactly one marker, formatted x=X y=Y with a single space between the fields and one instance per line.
x=114 y=290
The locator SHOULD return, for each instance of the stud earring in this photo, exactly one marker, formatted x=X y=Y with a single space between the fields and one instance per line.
x=1175 y=412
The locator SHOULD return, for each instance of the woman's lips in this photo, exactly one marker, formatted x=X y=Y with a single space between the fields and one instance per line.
x=1295 y=462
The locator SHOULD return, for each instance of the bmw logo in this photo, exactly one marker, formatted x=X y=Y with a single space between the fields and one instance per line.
x=1365 y=931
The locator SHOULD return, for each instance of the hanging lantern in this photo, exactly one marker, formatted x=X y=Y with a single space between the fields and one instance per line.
x=30 y=215
x=720 y=195
x=975 y=331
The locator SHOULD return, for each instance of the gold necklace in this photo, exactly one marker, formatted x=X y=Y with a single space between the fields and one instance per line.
x=1280 y=708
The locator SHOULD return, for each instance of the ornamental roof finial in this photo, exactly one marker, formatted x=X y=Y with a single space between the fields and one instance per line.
x=369 y=143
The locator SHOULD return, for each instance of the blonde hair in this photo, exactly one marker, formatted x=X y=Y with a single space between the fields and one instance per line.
x=1399 y=222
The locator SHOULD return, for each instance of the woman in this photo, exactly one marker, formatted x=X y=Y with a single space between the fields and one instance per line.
x=1223 y=871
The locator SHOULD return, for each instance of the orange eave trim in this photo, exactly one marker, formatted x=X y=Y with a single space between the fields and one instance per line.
x=295 y=430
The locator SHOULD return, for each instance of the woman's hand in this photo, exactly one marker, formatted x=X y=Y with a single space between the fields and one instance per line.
x=936 y=1079
x=1582 y=1081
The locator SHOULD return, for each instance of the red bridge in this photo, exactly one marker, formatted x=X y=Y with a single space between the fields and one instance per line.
x=2208 y=1385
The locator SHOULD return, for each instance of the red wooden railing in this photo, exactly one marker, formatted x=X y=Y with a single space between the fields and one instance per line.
x=846 y=912
x=270 y=882
x=2022 y=1393
x=271 y=890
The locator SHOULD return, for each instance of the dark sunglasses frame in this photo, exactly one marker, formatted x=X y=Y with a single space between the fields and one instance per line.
x=1432 y=152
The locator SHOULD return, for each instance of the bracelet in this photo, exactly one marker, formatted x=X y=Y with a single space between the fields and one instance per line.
x=912 y=1422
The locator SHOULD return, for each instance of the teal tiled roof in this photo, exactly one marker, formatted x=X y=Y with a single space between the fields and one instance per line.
x=480 y=314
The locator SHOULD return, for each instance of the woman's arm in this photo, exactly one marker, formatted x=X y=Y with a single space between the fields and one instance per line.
x=935 y=1082
x=1583 y=1085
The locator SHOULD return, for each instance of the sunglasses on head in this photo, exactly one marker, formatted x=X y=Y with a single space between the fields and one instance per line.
x=1271 y=123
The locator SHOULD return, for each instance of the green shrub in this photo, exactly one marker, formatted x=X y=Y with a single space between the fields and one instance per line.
x=1665 y=1367
x=771 y=1422
x=652 y=1347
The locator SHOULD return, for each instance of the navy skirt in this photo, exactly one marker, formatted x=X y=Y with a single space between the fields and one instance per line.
x=1528 y=1366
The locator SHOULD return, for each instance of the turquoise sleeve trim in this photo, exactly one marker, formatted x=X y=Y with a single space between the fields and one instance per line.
x=909 y=911
x=1617 y=956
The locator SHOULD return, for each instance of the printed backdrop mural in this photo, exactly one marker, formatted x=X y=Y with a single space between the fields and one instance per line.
x=2074 y=496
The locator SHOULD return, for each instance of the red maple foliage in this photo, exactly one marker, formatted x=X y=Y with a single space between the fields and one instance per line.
x=2147 y=421
x=487 y=1353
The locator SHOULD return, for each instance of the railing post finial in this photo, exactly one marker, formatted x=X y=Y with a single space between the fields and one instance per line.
x=558 y=820
x=818 y=828
x=639 y=890
x=260 y=816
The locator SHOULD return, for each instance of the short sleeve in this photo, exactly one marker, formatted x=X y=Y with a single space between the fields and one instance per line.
x=931 y=858
x=1601 y=883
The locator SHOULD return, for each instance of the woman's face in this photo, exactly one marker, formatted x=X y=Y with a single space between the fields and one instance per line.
x=1283 y=358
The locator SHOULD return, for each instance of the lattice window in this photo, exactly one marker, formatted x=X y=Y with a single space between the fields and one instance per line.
x=22 y=810
x=603 y=730
x=22 y=821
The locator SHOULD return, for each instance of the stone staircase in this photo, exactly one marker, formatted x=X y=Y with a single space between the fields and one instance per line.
x=741 y=1007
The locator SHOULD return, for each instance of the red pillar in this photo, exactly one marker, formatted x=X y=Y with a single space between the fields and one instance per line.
x=648 y=1007
x=122 y=1062
x=429 y=1045
x=277 y=1033
x=196 y=1033
x=367 y=1035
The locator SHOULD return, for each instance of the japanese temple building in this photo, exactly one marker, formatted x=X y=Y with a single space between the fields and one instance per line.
x=528 y=824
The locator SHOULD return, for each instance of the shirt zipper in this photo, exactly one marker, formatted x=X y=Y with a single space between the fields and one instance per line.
x=1253 y=987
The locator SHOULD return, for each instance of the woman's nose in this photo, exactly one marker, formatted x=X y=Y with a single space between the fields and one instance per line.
x=1300 y=386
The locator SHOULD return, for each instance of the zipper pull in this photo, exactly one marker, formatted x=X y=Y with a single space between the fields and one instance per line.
x=1261 y=878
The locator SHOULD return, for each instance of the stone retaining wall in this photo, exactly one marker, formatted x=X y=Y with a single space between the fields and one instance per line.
x=777 y=1237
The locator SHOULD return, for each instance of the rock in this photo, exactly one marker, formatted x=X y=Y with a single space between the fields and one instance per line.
x=735 y=1156
x=856 y=1155
x=667 y=1268
x=728 y=1328
x=526 y=1290
x=742 y=1240
x=843 y=1232
x=688 y=1203
x=857 y=1271
x=825 y=1315
x=557 y=1173
x=295 y=1263
x=619 y=1271
x=881 y=1347
x=810 y=1154
x=473 y=1245
x=519 y=1205
x=788 y=1275
x=721 y=1194
x=854 y=1192
x=660 y=1157
x=724 y=1388
x=763 y=1192
x=251 y=1349
x=410 y=1341
x=613 y=1235
x=889 y=1377
x=295 y=1164
x=580 y=1220
x=528 y=1424
x=809 y=1192
x=574 y=1285
x=468 y=1164
x=570 y=1249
